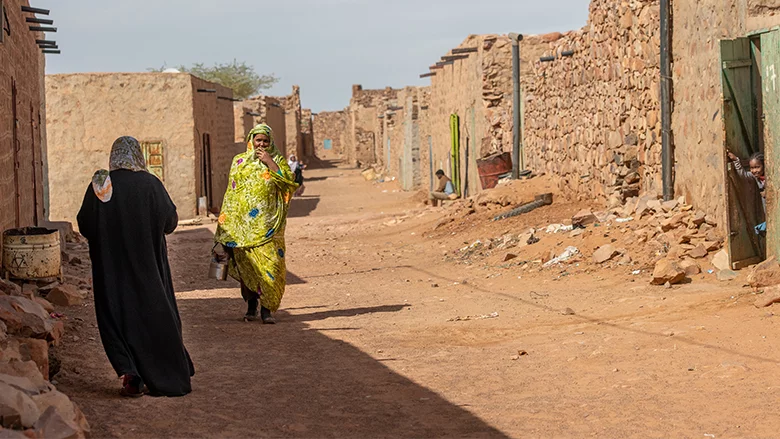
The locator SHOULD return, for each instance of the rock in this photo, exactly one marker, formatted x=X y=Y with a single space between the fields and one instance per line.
x=709 y=219
x=26 y=318
x=17 y=408
x=604 y=254
x=669 y=206
x=9 y=288
x=654 y=205
x=75 y=260
x=17 y=434
x=584 y=218
x=712 y=235
x=698 y=252
x=568 y=312
x=66 y=295
x=625 y=260
x=667 y=271
x=3 y=332
x=764 y=274
x=690 y=266
x=44 y=303
x=61 y=417
x=727 y=275
x=721 y=260
x=712 y=246
x=26 y=369
x=771 y=295
x=673 y=222
x=509 y=257
x=699 y=218
x=29 y=291
x=37 y=351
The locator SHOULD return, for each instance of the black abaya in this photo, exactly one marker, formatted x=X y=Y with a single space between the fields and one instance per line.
x=136 y=308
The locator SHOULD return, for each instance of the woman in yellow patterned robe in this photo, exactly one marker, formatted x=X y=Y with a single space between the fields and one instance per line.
x=252 y=222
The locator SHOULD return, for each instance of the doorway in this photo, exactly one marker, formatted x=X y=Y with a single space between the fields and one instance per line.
x=205 y=160
x=748 y=79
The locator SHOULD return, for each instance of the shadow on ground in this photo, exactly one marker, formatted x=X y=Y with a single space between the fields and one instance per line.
x=284 y=380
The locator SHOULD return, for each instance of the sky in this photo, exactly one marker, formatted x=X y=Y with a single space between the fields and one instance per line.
x=324 y=46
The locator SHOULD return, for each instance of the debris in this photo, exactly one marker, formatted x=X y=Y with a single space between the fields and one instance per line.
x=191 y=222
x=667 y=271
x=584 y=218
x=673 y=222
x=9 y=288
x=771 y=295
x=604 y=254
x=532 y=239
x=670 y=205
x=568 y=312
x=636 y=272
x=690 y=266
x=66 y=295
x=509 y=257
x=727 y=275
x=556 y=228
x=765 y=274
x=567 y=254
x=539 y=201
x=698 y=252
x=721 y=260
x=624 y=220
x=492 y=315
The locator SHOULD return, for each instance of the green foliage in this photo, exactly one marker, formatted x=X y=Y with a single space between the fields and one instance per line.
x=238 y=76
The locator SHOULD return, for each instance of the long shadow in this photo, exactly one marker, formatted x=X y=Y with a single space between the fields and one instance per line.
x=308 y=179
x=323 y=164
x=301 y=207
x=351 y=312
x=285 y=380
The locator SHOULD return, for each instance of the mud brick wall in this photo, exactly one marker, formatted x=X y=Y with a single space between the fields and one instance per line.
x=592 y=119
x=21 y=150
x=264 y=109
x=330 y=125
x=293 y=115
x=364 y=126
x=307 y=133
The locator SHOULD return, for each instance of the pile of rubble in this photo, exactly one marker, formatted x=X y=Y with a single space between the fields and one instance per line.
x=646 y=233
x=30 y=405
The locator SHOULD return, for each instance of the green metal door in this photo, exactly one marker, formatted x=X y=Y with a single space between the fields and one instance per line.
x=770 y=63
x=741 y=138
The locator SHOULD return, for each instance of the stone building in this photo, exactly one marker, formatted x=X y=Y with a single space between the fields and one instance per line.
x=22 y=120
x=364 y=125
x=185 y=125
x=262 y=109
x=330 y=133
x=293 y=116
x=307 y=134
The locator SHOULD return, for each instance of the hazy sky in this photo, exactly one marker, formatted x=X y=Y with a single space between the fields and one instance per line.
x=324 y=46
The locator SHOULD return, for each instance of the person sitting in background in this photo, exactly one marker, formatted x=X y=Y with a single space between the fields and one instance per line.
x=756 y=174
x=444 y=191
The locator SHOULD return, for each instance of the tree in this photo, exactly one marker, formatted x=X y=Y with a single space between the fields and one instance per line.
x=238 y=76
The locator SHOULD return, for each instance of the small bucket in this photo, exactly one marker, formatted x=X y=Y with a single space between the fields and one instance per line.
x=218 y=270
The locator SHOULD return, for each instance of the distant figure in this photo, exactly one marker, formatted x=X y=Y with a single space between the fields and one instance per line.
x=252 y=223
x=297 y=168
x=125 y=215
x=755 y=174
x=444 y=190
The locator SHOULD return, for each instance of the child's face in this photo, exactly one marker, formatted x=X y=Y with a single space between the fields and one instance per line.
x=757 y=168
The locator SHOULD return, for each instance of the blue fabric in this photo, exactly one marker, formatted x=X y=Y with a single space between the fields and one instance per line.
x=761 y=228
x=449 y=189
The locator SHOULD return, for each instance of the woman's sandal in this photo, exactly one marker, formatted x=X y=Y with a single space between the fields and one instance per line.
x=128 y=390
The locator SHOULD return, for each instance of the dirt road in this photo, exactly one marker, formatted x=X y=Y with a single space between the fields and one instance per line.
x=380 y=336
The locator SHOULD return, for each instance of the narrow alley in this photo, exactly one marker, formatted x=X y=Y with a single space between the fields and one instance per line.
x=381 y=334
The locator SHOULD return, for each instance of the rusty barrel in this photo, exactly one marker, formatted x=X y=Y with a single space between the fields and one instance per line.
x=32 y=253
x=491 y=167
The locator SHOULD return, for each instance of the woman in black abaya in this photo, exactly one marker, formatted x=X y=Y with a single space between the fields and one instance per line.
x=125 y=216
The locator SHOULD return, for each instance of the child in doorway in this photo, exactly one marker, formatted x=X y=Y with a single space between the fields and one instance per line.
x=756 y=172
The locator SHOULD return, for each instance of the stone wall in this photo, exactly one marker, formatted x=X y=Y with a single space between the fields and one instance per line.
x=243 y=121
x=21 y=149
x=592 y=118
x=87 y=112
x=364 y=127
x=307 y=133
x=330 y=125
x=292 y=111
x=263 y=109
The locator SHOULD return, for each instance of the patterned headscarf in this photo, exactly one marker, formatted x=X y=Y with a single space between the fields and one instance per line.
x=125 y=154
x=262 y=129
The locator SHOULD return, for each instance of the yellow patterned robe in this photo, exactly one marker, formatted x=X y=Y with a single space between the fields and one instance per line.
x=253 y=220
